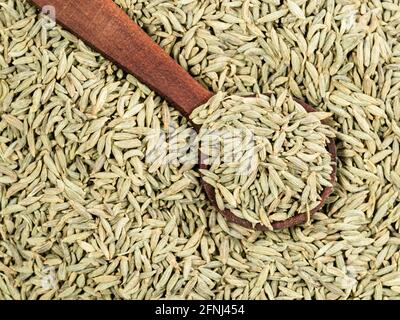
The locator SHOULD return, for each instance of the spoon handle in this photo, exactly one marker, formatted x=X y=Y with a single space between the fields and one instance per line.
x=109 y=30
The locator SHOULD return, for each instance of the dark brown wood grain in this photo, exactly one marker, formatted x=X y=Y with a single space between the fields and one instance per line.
x=106 y=28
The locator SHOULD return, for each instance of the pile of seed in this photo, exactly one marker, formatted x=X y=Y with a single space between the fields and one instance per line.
x=267 y=156
x=84 y=214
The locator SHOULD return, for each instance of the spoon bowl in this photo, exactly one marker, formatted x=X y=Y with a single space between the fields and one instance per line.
x=290 y=222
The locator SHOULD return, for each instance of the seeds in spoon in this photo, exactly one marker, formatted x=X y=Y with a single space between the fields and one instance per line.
x=266 y=130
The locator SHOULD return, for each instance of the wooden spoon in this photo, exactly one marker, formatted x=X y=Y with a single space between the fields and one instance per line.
x=106 y=28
